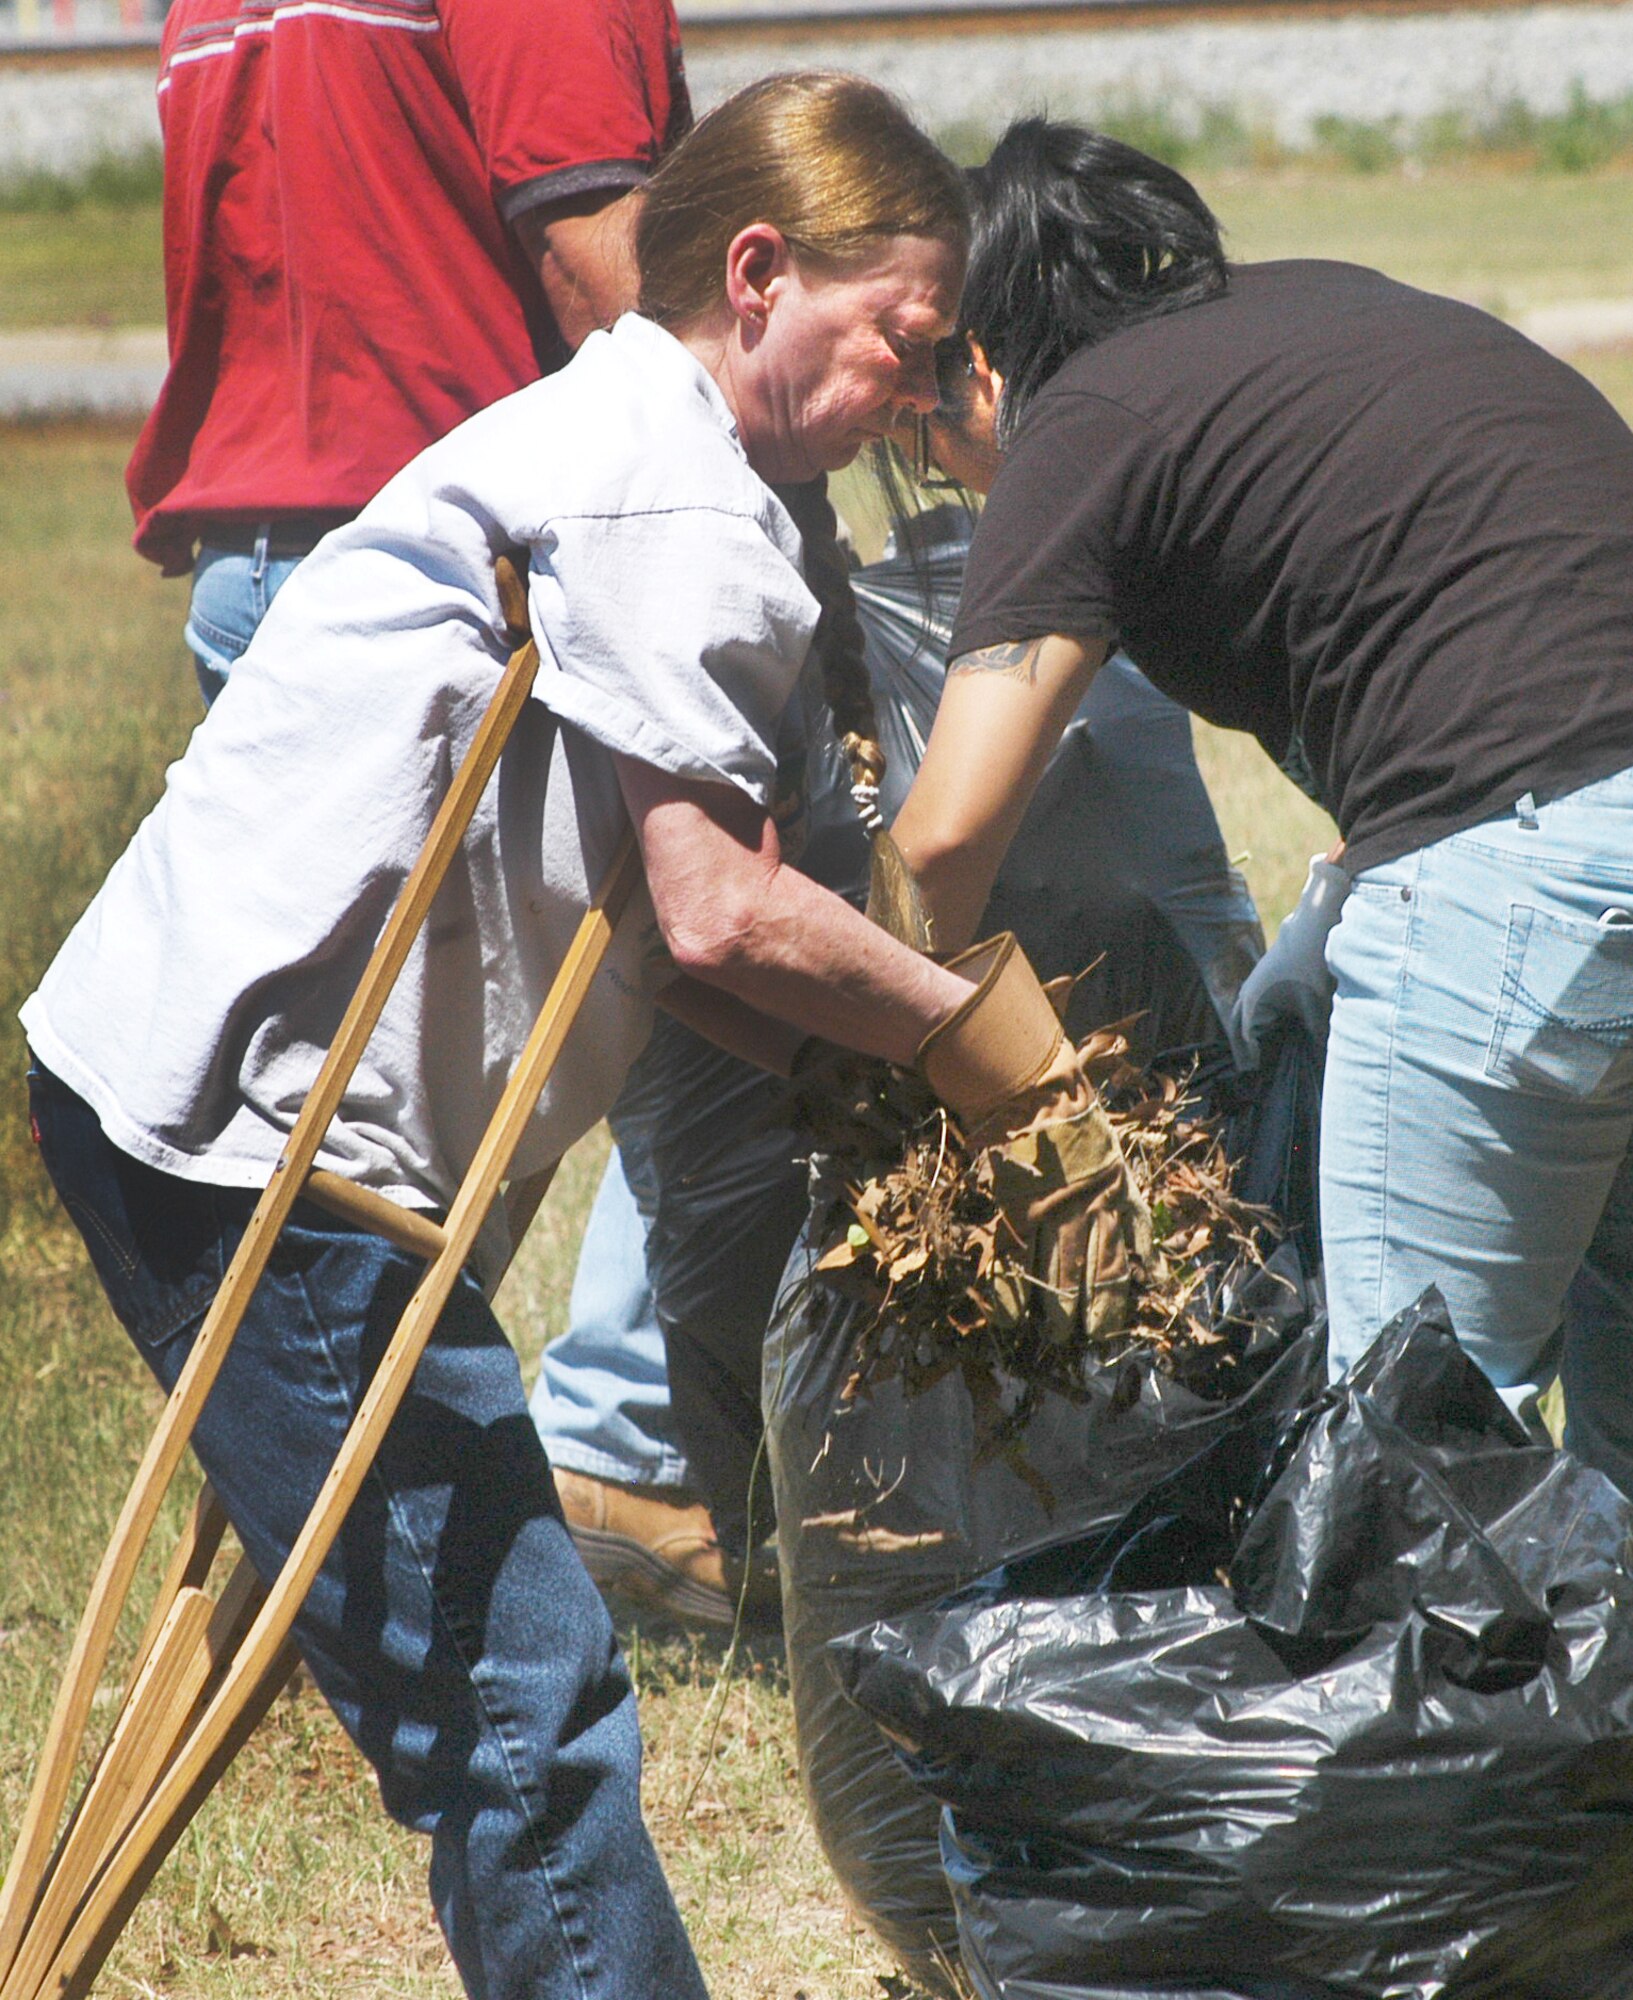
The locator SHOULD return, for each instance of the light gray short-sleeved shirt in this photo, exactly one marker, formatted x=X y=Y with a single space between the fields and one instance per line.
x=193 y=1002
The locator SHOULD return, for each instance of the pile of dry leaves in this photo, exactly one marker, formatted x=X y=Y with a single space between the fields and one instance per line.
x=919 y=1236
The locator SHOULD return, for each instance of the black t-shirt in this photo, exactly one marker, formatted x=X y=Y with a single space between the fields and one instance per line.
x=1379 y=529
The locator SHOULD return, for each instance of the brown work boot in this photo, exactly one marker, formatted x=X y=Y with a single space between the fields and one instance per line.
x=658 y=1553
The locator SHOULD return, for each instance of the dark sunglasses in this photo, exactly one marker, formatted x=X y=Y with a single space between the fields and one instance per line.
x=954 y=366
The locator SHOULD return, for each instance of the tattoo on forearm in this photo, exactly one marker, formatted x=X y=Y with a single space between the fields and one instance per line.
x=1015 y=659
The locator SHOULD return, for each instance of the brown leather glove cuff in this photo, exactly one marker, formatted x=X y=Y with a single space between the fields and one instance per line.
x=1000 y=1044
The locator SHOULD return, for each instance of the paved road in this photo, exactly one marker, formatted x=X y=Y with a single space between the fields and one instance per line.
x=62 y=371
x=76 y=371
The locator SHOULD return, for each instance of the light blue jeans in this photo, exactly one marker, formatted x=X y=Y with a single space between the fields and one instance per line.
x=231 y=592
x=601 y=1400
x=1478 y=1109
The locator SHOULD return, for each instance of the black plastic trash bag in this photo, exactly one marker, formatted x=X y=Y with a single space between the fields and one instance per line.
x=1376 y=1755
x=883 y=1503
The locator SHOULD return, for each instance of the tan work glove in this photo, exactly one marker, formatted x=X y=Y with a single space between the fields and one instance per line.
x=1005 y=1068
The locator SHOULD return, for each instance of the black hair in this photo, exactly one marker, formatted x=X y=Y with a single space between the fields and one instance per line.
x=1077 y=235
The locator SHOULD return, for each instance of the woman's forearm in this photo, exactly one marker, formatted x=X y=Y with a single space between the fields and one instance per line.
x=807 y=957
x=733 y=1025
x=738 y=920
x=1002 y=712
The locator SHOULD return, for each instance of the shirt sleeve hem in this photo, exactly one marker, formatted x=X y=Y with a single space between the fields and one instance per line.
x=564 y=183
x=203 y=1166
x=1089 y=622
x=619 y=728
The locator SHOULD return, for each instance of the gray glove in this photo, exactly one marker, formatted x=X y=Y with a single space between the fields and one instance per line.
x=1292 y=977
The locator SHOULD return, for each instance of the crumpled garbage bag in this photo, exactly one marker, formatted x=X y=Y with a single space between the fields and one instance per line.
x=1344 y=1707
x=884 y=1503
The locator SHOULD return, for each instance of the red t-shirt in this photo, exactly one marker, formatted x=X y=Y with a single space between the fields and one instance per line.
x=341 y=283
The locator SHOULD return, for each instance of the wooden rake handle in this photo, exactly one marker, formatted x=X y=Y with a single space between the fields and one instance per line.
x=111 y=1588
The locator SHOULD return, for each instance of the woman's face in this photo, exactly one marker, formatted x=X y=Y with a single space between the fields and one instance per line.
x=963 y=428
x=823 y=361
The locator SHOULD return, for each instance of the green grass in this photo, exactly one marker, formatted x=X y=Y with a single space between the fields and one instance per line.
x=83 y=249
x=116 y=180
x=86 y=267
x=1487 y=227
x=1505 y=240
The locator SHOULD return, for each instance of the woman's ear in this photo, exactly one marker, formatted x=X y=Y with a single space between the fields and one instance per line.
x=758 y=262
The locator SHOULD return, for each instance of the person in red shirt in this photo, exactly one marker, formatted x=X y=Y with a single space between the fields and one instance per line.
x=380 y=216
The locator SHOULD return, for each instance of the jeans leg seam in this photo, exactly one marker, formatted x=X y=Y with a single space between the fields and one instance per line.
x=1396 y=1007
x=489 y=1722
x=492 y=1724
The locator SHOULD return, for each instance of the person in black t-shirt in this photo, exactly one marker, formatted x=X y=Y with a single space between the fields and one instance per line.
x=1394 y=540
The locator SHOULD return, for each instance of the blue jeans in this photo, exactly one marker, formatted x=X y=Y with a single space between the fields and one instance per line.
x=452 y=1628
x=231 y=592
x=1478 y=1109
x=601 y=1401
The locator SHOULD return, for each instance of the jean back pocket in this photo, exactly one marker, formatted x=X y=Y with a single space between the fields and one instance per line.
x=1564 y=1024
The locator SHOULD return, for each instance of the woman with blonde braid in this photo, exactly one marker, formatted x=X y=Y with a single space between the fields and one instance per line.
x=800 y=254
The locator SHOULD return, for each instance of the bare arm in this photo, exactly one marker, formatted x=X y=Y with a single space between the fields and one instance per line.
x=735 y=918
x=1001 y=715
x=584 y=250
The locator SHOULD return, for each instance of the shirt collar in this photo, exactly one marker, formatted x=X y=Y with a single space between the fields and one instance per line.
x=656 y=348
